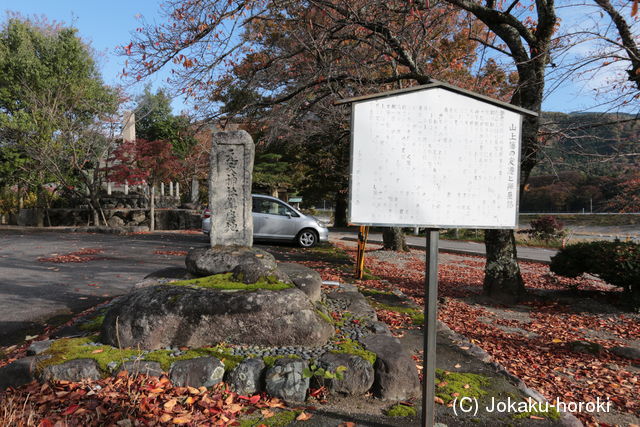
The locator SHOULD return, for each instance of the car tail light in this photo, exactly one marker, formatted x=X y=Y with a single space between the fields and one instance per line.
x=206 y=214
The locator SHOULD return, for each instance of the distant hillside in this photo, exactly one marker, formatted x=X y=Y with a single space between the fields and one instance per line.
x=585 y=142
x=590 y=162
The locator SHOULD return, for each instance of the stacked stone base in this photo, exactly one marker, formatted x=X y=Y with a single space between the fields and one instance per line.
x=392 y=377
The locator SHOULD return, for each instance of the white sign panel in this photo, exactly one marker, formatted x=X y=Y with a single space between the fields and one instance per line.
x=434 y=158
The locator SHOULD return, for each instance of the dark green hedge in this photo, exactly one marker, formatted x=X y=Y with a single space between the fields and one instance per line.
x=617 y=263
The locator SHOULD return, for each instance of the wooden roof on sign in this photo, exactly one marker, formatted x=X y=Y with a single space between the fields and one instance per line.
x=441 y=85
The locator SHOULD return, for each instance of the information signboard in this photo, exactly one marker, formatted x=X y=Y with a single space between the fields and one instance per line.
x=434 y=158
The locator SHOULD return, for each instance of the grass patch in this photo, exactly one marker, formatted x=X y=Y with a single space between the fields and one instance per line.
x=332 y=252
x=348 y=346
x=461 y=384
x=401 y=410
x=92 y=325
x=226 y=282
x=280 y=419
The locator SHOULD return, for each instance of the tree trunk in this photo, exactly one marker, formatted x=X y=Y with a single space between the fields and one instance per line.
x=152 y=208
x=394 y=240
x=40 y=206
x=502 y=279
x=340 y=215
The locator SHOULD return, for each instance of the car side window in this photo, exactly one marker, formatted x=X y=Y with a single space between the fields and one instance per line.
x=265 y=206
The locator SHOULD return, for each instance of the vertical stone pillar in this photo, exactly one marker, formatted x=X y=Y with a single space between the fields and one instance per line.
x=177 y=190
x=171 y=188
x=108 y=188
x=126 y=188
x=195 y=189
x=162 y=189
x=231 y=166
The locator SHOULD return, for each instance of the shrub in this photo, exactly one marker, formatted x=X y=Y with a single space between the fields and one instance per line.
x=546 y=228
x=617 y=263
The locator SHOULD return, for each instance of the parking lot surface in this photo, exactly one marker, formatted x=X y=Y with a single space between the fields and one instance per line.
x=35 y=289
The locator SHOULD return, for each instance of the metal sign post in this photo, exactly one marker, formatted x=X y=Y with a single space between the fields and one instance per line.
x=430 y=328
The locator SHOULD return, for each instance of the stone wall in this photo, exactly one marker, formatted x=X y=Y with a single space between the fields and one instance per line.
x=166 y=219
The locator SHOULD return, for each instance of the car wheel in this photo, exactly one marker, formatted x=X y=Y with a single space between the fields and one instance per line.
x=307 y=238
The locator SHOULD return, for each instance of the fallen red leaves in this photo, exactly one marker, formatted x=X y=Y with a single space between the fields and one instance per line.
x=83 y=255
x=141 y=400
x=177 y=253
x=543 y=361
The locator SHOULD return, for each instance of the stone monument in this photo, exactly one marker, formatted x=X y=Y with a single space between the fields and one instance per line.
x=279 y=310
x=231 y=166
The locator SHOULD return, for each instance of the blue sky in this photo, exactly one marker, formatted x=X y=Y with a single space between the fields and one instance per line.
x=107 y=24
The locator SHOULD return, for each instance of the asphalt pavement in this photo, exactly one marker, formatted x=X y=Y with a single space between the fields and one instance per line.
x=33 y=291
x=464 y=247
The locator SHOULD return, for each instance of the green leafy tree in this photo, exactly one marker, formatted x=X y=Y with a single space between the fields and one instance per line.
x=54 y=107
x=155 y=121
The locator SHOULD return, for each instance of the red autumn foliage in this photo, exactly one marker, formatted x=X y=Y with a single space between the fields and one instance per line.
x=140 y=161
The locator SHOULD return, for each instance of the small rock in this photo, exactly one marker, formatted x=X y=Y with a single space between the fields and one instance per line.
x=38 y=347
x=115 y=222
x=355 y=303
x=198 y=372
x=626 y=352
x=18 y=373
x=255 y=270
x=357 y=378
x=286 y=380
x=379 y=328
x=585 y=347
x=245 y=379
x=143 y=367
x=396 y=375
x=208 y=261
x=305 y=279
x=73 y=370
x=138 y=217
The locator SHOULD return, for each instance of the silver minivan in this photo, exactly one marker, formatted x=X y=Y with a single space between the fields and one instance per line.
x=274 y=219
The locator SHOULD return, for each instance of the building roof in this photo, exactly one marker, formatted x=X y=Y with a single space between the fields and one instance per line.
x=438 y=84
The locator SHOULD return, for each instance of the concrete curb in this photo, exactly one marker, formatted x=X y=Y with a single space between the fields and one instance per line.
x=451 y=251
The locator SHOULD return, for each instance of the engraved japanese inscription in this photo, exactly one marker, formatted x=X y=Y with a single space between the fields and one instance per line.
x=231 y=165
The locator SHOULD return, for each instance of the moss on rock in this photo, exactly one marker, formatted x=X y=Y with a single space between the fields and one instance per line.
x=401 y=410
x=349 y=346
x=280 y=419
x=325 y=317
x=226 y=282
x=552 y=413
x=450 y=385
x=66 y=349
x=416 y=315
x=220 y=352
x=269 y=361
x=92 y=325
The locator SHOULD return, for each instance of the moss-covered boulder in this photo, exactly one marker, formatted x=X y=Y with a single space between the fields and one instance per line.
x=224 y=259
x=162 y=316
